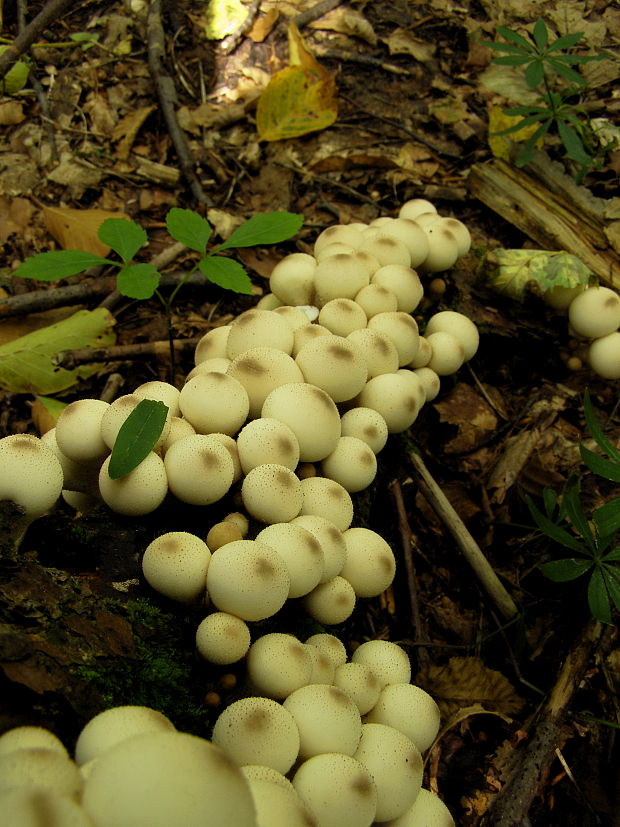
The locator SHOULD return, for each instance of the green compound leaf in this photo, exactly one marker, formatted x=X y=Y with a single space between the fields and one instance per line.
x=124 y=237
x=596 y=432
x=138 y=281
x=137 y=437
x=58 y=264
x=598 y=597
x=568 y=569
x=189 y=228
x=264 y=228
x=603 y=467
x=226 y=273
x=541 y=35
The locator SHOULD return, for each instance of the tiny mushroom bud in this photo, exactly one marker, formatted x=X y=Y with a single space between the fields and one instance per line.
x=114 y=725
x=443 y=249
x=403 y=282
x=360 y=682
x=175 y=565
x=352 y=463
x=301 y=553
x=388 y=661
x=267 y=440
x=326 y=498
x=462 y=328
x=370 y=565
x=260 y=370
x=412 y=209
x=367 y=425
x=212 y=345
x=78 y=430
x=292 y=279
x=222 y=638
x=604 y=356
x=327 y=719
x=278 y=664
x=409 y=709
x=447 y=353
x=331 y=602
x=401 y=329
x=335 y=365
x=343 y=316
x=214 y=402
x=595 y=312
x=31 y=475
x=272 y=493
x=199 y=469
x=139 y=492
x=222 y=533
x=339 y=276
x=337 y=789
x=259 y=328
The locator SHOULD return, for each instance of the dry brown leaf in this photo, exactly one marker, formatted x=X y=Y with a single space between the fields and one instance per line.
x=346 y=21
x=473 y=417
x=11 y=112
x=402 y=42
x=127 y=128
x=77 y=229
x=264 y=26
x=15 y=215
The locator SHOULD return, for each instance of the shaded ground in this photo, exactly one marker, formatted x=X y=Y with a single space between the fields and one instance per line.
x=79 y=629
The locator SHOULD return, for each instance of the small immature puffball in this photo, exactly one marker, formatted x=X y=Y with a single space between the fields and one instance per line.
x=260 y=370
x=462 y=328
x=326 y=498
x=335 y=365
x=248 y=579
x=259 y=328
x=604 y=356
x=78 y=430
x=327 y=720
x=269 y=302
x=139 y=492
x=310 y=413
x=374 y=298
x=415 y=207
x=272 y=493
x=222 y=638
x=329 y=645
x=410 y=710
x=352 y=463
x=292 y=279
x=278 y=664
x=199 y=469
x=360 y=682
x=377 y=349
x=391 y=395
x=427 y=809
x=338 y=234
x=258 y=731
x=114 y=725
x=443 y=249
x=240 y=520
x=222 y=533
x=403 y=282
x=214 y=402
x=430 y=382
x=265 y=440
x=387 y=660
x=337 y=789
x=165 y=778
x=31 y=475
x=339 y=276
x=401 y=329
x=24 y=737
x=367 y=425
x=175 y=565
x=343 y=316
x=301 y=552
x=331 y=602
x=25 y=806
x=447 y=353
x=45 y=769
x=595 y=312
x=160 y=392
x=212 y=345
x=370 y=565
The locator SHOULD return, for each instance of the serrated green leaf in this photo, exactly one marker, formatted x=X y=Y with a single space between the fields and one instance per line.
x=561 y=571
x=138 y=281
x=58 y=264
x=137 y=437
x=124 y=237
x=554 y=531
x=598 y=597
x=264 y=228
x=541 y=35
x=603 y=467
x=595 y=430
x=189 y=228
x=226 y=273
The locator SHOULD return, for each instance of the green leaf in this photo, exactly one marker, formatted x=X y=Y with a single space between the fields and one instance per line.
x=565 y=42
x=598 y=597
x=596 y=431
x=527 y=153
x=522 y=124
x=226 y=273
x=516 y=39
x=137 y=437
x=614 y=554
x=534 y=74
x=189 y=228
x=541 y=35
x=511 y=60
x=561 y=571
x=611 y=575
x=124 y=237
x=550 y=500
x=58 y=264
x=579 y=59
x=554 y=531
x=603 y=467
x=264 y=228
x=507 y=48
x=607 y=518
x=138 y=281
x=574 y=511
x=568 y=73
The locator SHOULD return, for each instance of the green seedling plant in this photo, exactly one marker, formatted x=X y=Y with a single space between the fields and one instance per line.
x=542 y=59
x=591 y=539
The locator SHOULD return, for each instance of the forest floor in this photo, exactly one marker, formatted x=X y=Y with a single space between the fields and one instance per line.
x=415 y=88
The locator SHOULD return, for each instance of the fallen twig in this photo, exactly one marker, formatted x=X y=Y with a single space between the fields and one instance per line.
x=316 y=11
x=230 y=43
x=69 y=359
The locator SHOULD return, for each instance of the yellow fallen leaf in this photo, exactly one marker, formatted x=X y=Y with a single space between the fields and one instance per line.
x=77 y=229
x=45 y=412
x=500 y=145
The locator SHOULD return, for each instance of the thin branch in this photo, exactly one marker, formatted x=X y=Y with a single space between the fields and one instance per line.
x=314 y=12
x=69 y=359
x=230 y=43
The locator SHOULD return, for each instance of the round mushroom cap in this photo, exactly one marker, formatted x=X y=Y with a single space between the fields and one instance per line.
x=386 y=249
x=410 y=710
x=393 y=396
x=402 y=282
x=31 y=475
x=395 y=764
x=415 y=384
x=248 y=579
x=443 y=248
x=231 y=446
x=411 y=235
x=415 y=207
x=447 y=353
x=222 y=533
x=360 y=682
x=271 y=493
x=117 y=412
x=77 y=476
x=258 y=731
x=179 y=428
x=310 y=413
x=278 y=664
x=402 y=330
x=160 y=392
x=323 y=668
x=212 y=345
x=163 y=778
x=267 y=440
x=367 y=425
x=595 y=312
x=430 y=382
x=459 y=231
x=428 y=808
x=199 y=469
x=139 y=492
x=340 y=276
x=214 y=402
x=462 y=328
x=44 y=769
x=370 y=565
x=335 y=365
x=326 y=498
x=292 y=279
x=373 y=299
x=114 y=725
x=259 y=328
x=306 y=334
x=78 y=430
x=222 y=638
x=343 y=316
x=329 y=645
x=27 y=806
x=260 y=370
x=296 y=316
x=260 y=771
x=387 y=660
x=377 y=349
x=337 y=790
x=352 y=463
x=331 y=541
x=604 y=356
x=338 y=234
x=22 y=737
x=423 y=356
x=301 y=552
x=331 y=602
x=218 y=364
x=175 y=565
x=332 y=250
x=327 y=719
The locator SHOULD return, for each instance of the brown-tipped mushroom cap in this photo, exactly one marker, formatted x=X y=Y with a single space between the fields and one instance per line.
x=331 y=602
x=339 y=276
x=326 y=498
x=199 y=469
x=271 y=493
x=343 y=316
x=139 y=492
x=259 y=328
x=260 y=370
x=78 y=430
x=292 y=279
x=31 y=475
x=370 y=565
x=175 y=564
x=327 y=720
x=403 y=282
x=377 y=349
x=214 y=402
x=449 y=321
x=301 y=552
x=401 y=329
x=367 y=425
x=392 y=395
x=335 y=365
x=212 y=345
x=352 y=463
x=222 y=638
x=265 y=440
x=278 y=664
x=113 y=725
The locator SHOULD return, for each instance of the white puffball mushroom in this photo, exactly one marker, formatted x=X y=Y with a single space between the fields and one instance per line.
x=306 y=334
x=179 y=428
x=77 y=476
x=160 y=392
x=292 y=279
x=401 y=329
x=427 y=809
x=278 y=806
x=231 y=446
x=259 y=328
x=310 y=413
x=443 y=249
x=370 y=565
x=218 y=364
x=329 y=645
x=388 y=661
x=26 y=736
x=430 y=382
x=403 y=282
x=415 y=207
x=222 y=533
x=335 y=365
x=295 y=316
x=301 y=552
x=360 y=682
x=272 y=493
x=367 y=425
x=258 y=731
x=199 y=469
x=447 y=353
x=240 y=520
x=352 y=463
x=265 y=440
x=260 y=370
x=222 y=638
x=337 y=789
x=117 y=412
x=175 y=564
x=26 y=806
x=212 y=345
x=269 y=302
x=604 y=356
x=339 y=276
x=332 y=250
x=31 y=475
x=260 y=771
x=595 y=312
x=323 y=667
x=395 y=764
x=338 y=234
x=411 y=235
x=248 y=579
x=45 y=769
x=415 y=384
x=343 y=316
x=461 y=327
x=374 y=298
x=423 y=356
x=409 y=709
x=330 y=539
x=391 y=395
x=327 y=720
x=114 y=725
x=78 y=430
x=326 y=498
x=214 y=402
x=458 y=230
x=163 y=778
x=278 y=664
x=386 y=249
x=425 y=219
x=377 y=349
x=140 y=491
x=331 y=602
